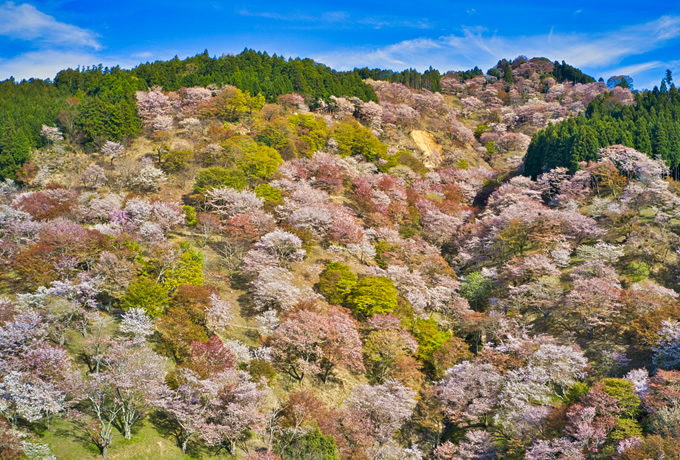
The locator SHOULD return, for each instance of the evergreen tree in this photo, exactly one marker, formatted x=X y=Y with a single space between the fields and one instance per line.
x=507 y=73
x=661 y=146
x=643 y=143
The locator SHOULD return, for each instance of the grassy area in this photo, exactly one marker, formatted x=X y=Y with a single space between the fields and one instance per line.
x=147 y=443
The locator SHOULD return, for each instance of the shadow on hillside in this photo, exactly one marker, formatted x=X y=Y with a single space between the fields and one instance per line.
x=167 y=428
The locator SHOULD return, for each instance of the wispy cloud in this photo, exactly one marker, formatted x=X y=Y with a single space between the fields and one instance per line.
x=143 y=54
x=44 y=63
x=476 y=46
x=340 y=18
x=643 y=69
x=25 y=22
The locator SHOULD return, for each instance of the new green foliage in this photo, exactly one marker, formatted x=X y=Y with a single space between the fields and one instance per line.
x=313 y=445
x=336 y=281
x=372 y=295
x=354 y=139
x=187 y=269
x=147 y=294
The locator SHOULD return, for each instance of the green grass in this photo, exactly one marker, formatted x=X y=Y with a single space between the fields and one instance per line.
x=68 y=443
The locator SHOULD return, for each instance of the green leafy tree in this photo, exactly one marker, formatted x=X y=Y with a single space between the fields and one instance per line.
x=643 y=142
x=622 y=390
x=220 y=177
x=14 y=149
x=372 y=295
x=354 y=139
x=429 y=337
x=228 y=105
x=187 y=269
x=147 y=294
x=507 y=73
x=261 y=162
x=637 y=271
x=476 y=289
x=336 y=281
x=313 y=445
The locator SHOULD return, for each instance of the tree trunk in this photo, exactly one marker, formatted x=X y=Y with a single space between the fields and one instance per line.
x=105 y=452
x=184 y=445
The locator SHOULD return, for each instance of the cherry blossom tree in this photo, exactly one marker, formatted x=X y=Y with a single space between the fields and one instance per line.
x=375 y=413
x=219 y=314
x=556 y=449
x=94 y=176
x=28 y=398
x=113 y=150
x=136 y=323
x=282 y=245
x=307 y=342
x=187 y=406
x=51 y=134
x=235 y=407
x=229 y=203
x=273 y=289
x=592 y=302
x=667 y=352
x=477 y=445
x=469 y=392
x=153 y=103
x=149 y=178
x=122 y=392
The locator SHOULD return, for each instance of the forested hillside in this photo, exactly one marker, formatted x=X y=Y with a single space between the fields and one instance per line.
x=649 y=123
x=258 y=258
x=93 y=104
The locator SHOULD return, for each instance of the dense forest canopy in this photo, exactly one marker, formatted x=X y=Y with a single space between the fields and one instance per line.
x=651 y=125
x=98 y=103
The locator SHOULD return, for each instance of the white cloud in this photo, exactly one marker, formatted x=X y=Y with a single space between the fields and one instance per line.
x=143 y=54
x=25 y=22
x=47 y=63
x=340 y=18
x=43 y=64
x=475 y=46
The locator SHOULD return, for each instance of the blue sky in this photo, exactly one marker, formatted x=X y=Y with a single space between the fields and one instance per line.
x=38 y=38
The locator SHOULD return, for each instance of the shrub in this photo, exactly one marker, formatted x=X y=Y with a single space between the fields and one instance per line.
x=190 y=215
x=312 y=445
